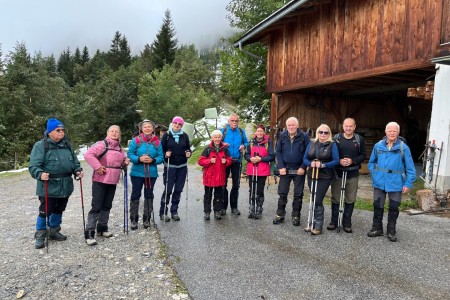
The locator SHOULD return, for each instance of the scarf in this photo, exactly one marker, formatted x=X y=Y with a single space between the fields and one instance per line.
x=176 y=135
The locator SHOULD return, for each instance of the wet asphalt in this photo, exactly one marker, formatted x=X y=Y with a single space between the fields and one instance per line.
x=242 y=258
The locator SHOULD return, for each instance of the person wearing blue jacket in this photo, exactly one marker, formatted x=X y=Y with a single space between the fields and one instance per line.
x=393 y=173
x=290 y=150
x=145 y=152
x=235 y=140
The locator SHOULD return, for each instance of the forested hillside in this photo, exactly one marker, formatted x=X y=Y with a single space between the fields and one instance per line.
x=89 y=89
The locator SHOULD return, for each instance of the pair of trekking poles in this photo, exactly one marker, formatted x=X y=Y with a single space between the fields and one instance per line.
x=47 y=217
x=253 y=190
x=312 y=202
x=166 y=202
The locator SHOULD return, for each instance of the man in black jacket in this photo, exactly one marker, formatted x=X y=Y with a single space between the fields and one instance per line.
x=352 y=152
x=290 y=150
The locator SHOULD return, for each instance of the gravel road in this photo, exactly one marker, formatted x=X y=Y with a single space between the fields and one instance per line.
x=234 y=258
x=130 y=266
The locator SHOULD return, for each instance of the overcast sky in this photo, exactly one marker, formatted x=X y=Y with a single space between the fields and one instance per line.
x=50 y=26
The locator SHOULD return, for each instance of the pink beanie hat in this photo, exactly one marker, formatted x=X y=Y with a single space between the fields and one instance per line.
x=178 y=119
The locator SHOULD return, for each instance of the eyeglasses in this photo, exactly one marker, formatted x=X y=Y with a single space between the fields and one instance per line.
x=234 y=121
x=324 y=132
x=176 y=123
x=59 y=130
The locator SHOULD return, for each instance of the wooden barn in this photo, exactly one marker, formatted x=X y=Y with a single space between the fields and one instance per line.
x=366 y=59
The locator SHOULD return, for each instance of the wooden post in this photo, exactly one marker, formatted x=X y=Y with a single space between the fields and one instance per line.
x=273 y=114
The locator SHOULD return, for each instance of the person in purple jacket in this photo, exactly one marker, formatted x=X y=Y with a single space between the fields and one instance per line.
x=107 y=158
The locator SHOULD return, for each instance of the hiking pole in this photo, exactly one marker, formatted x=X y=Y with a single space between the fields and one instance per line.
x=47 y=225
x=341 y=200
x=315 y=196
x=312 y=200
x=82 y=202
x=165 y=192
x=187 y=190
x=255 y=193
x=125 y=201
x=250 y=191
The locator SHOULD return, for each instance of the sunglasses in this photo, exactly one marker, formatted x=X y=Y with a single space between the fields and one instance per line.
x=59 y=130
x=324 y=132
x=176 y=123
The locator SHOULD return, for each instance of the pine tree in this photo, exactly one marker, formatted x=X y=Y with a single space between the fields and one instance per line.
x=85 y=56
x=77 y=56
x=119 y=53
x=165 y=45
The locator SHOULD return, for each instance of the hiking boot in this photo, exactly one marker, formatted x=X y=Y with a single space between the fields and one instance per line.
x=308 y=229
x=176 y=217
x=278 y=220
x=206 y=217
x=217 y=215
x=392 y=237
x=223 y=212
x=296 y=221
x=348 y=229
x=55 y=234
x=235 y=211
x=257 y=216
x=146 y=224
x=316 y=231
x=164 y=218
x=40 y=236
x=91 y=242
x=105 y=234
x=251 y=216
x=331 y=226
x=375 y=232
x=89 y=237
x=134 y=225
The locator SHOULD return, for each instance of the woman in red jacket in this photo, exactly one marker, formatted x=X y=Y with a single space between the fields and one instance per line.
x=214 y=160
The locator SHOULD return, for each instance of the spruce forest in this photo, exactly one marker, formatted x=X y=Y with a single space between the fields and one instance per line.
x=89 y=90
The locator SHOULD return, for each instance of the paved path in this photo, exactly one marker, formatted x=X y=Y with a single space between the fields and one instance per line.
x=241 y=258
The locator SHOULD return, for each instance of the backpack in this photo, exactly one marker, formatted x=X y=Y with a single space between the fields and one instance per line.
x=139 y=141
x=107 y=149
x=337 y=139
x=241 y=131
x=285 y=138
x=47 y=146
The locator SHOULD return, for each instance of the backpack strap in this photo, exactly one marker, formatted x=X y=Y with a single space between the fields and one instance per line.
x=104 y=151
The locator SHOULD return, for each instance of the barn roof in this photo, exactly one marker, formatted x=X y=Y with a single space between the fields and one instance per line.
x=291 y=9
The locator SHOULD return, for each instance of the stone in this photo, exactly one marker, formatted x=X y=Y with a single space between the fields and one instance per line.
x=426 y=200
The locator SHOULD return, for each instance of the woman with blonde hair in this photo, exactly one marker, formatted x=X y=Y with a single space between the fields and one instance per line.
x=107 y=158
x=322 y=154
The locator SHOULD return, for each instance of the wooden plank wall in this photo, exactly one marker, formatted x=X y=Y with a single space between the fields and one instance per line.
x=445 y=32
x=344 y=37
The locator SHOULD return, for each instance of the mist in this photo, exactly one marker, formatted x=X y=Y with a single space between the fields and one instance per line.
x=52 y=26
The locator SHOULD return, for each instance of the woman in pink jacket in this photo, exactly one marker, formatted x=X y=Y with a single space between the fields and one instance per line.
x=259 y=154
x=107 y=158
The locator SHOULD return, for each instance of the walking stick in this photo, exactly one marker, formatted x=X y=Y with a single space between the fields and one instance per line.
x=187 y=190
x=47 y=225
x=82 y=202
x=341 y=200
x=165 y=192
x=312 y=201
x=255 y=193
x=125 y=201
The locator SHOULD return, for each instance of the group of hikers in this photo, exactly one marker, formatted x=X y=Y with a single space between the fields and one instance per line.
x=324 y=161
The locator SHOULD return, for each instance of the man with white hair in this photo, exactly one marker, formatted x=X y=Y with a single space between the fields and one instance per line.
x=393 y=173
x=291 y=147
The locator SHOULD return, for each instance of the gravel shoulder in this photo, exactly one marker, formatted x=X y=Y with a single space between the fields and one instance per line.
x=132 y=266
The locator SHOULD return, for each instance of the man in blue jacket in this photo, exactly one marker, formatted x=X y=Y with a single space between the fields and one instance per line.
x=236 y=141
x=393 y=173
x=291 y=147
